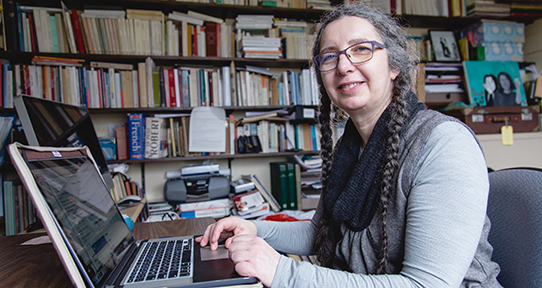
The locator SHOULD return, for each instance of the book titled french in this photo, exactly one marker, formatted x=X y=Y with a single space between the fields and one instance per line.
x=136 y=135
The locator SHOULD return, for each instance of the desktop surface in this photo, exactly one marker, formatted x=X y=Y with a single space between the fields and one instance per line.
x=39 y=265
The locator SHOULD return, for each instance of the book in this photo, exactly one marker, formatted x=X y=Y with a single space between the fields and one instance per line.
x=136 y=135
x=122 y=142
x=6 y=126
x=211 y=212
x=213 y=208
x=155 y=137
x=248 y=202
x=269 y=198
x=279 y=183
x=261 y=210
x=292 y=191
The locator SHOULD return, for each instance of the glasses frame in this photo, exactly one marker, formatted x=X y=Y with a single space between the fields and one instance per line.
x=317 y=63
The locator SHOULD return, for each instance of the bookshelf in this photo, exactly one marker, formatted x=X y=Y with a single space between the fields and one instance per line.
x=151 y=172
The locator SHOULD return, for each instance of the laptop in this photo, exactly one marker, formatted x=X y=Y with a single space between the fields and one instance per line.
x=91 y=237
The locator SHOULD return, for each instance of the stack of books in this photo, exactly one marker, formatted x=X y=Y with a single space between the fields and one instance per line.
x=260 y=47
x=250 y=204
x=254 y=21
x=488 y=8
x=216 y=208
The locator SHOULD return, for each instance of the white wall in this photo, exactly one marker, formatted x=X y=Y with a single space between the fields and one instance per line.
x=532 y=48
x=525 y=152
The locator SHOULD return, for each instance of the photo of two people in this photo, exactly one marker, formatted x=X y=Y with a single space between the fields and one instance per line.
x=494 y=83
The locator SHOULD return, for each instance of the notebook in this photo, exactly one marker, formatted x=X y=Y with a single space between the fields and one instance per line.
x=91 y=237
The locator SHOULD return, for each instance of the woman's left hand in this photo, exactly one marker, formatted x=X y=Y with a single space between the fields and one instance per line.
x=253 y=257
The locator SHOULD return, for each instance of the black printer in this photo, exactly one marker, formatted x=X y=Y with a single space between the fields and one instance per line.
x=196 y=188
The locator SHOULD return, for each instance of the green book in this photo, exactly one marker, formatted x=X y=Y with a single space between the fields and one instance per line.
x=9 y=205
x=156 y=87
x=54 y=34
x=279 y=183
x=292 y=191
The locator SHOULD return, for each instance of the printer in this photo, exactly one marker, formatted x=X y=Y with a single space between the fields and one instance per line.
x=196 y=187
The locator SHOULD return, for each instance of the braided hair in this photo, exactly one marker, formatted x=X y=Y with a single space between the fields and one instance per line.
x=400 y=59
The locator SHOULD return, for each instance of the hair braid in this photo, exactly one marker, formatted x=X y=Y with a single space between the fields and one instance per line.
x=399 y=114
x=325 y=253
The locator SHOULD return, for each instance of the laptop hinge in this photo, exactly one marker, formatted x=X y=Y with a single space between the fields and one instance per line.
x=115 y=278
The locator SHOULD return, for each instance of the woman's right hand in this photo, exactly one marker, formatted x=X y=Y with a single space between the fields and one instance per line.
x=226 y=228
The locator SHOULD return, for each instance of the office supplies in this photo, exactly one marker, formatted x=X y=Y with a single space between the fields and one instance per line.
x=91 y=238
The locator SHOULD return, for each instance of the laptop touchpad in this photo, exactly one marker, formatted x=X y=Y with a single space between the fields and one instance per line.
x=207 y=254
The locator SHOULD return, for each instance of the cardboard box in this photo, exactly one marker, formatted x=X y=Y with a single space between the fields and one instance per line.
x=496 y=31
x=500 y=51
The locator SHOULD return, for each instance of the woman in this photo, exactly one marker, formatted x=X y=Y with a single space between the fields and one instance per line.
x=405 y=189
x=505 y=94
x=490 y=86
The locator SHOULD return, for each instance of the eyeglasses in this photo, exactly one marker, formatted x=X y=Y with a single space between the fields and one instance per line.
x=357 y=54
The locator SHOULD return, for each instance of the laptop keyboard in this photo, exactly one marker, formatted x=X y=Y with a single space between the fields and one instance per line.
x=163 y=260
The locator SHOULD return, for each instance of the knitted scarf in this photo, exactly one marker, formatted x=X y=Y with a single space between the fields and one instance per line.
x=354 y=181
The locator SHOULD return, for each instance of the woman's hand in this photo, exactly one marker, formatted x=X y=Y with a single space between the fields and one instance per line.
x=253 y=257
x=226 y=228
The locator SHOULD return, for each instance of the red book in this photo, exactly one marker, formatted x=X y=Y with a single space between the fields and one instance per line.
x=211 y=39
x=172 y=98
x=128 y=187
x=53 y=84
x=33 y=35
x=77 y=31
x=122 y=143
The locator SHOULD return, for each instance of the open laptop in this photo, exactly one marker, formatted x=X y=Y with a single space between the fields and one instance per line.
x=91 y=237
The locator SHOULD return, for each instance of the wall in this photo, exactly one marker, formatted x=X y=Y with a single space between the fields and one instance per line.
x=533 y=43
x=525 y=152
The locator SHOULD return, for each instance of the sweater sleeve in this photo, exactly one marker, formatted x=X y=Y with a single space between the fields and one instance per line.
x=445 y=215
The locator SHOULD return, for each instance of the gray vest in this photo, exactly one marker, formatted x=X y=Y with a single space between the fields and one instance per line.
x=359 y=250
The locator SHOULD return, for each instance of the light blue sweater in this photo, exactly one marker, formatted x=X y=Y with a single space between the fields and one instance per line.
x=437 y=222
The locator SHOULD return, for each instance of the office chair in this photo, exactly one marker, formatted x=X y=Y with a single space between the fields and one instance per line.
x=515 y=211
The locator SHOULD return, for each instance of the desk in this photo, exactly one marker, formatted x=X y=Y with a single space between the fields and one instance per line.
x=39 y=266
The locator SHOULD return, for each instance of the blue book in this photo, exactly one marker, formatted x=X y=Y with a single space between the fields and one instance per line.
x=314 y=138
x=201 y=83
x=20 y=26
x=281 y=95
x=136 y=135
x=54 y=35
x=185 y=90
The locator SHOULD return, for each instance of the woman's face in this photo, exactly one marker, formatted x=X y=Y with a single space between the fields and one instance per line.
x=490 y=85
x=361 y=88
x=505 y=83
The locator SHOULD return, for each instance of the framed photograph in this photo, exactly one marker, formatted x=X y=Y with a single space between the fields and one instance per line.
x=494 y=83
x=444 y=45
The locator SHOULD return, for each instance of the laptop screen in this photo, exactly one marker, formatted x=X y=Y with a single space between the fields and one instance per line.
x=84 y=209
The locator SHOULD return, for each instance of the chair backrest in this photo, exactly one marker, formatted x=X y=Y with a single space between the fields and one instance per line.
x=515 y=211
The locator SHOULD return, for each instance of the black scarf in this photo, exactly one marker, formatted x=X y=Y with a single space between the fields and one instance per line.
x=354 y=181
